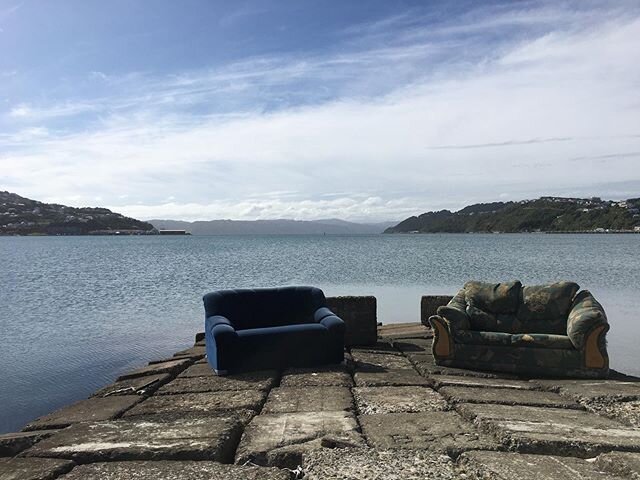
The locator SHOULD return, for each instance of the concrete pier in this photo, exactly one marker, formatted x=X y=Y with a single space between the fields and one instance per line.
x=388 y=412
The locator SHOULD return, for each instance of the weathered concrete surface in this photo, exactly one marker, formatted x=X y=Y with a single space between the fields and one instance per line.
x=172 y=367
x=211 y=438
x=91 y=410
x=593 y=389
x=476 y=382
x=415 y=345
x=389 y=378
x=379 y=361
x=197 y=351
x=33 y=468
x=425 y=364
x=367 y=463
x=443 y=432
x=625 y=464
x=198 y=370
x=372 y=400
x=359 y=316
x=552 y=431
x=199 y=403
x=13 y=443
x=393 y=331
x=381 y=346
x=189 y=470
x=308 y=399
x=327 y=377
x=263 y=380
x=138 y=386
x=502 y=396
x=429 y=306
x=510 y=466
x=281 y=438
x=625 y=411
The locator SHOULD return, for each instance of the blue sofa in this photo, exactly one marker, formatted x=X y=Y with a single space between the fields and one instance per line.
x=256 y=329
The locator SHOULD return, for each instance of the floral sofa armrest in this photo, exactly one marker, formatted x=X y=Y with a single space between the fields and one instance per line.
x=587 y=327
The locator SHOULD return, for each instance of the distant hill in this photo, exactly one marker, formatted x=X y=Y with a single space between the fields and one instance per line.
x=546 y=214
x=23 y=216
x=271 y=227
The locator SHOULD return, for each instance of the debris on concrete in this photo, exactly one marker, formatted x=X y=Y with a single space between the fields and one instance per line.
x=625 y=464
x=625 y=411
x=134 y=386
x=321 y=377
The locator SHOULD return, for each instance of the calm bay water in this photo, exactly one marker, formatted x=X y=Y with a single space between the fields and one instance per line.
x=75 y=312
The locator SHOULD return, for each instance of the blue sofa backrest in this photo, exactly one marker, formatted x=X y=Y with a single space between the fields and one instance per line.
x=265 y=307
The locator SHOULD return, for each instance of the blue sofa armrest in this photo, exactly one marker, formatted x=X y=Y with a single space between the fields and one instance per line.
x=321 y=313
x=334 y=324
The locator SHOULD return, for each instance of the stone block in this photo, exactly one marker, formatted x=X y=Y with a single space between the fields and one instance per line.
x=624 y=464
x=625 y=411
x=429 y=305
x=91 y=410
x=308 y=399
x=173 y=470
x=474 y=382
x=320 y=377
x=198 y=370
x=378 y=362
x=33 y=468
x=508 y=466
x=282 y=438
x=360 y=317
x=13 y=443
x=396 y=331
x=425 y=364
x=552 y=431
x=172 y=367
x=380 y=346
x=210 y=438
x=134 y=386
x=593 y=389
x=263 y=380
x=196 y=352
x=190 y=404
x=373 y=400
x=459 y=394
x=414 y=345
x=367 y=463
x=443 y=432
x=390 y=378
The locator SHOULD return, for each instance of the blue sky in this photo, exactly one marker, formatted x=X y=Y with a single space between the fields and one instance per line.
x=367 y=111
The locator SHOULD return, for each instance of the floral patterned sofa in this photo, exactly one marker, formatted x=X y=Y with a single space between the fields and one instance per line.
x=542 y=330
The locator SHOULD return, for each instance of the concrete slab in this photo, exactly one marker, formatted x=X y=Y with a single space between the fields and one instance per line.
x=172 y=367
x=138 y=386
x=475 y=382
x=372 y=400
x=457 y=394
x=391 y=378
x=91 y=410
x=174 y=470
x=198 y=370
x=593 y=389
x=426 y=366
x=13 y=443
x=625 y=464
x=282 y=438
x=308 y=399
x=211 y=438
x=197 y=351
x=414 y=345
x=507 y=466
x=380 y=346
x=304 y=377
x=393 y=331
x=263 y=380
x=626 y=412
x=33 y=468
x=444 y=432
x=552 y=431
x=376 y=362
x=367 y=463
x=199 y=403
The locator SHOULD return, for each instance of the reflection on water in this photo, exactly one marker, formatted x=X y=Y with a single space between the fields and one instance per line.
x=77 y=311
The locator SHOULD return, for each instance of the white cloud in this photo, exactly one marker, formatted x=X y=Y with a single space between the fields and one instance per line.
x=552 y=114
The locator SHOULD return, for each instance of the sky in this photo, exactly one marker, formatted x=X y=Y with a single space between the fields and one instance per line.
x=306 y=109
